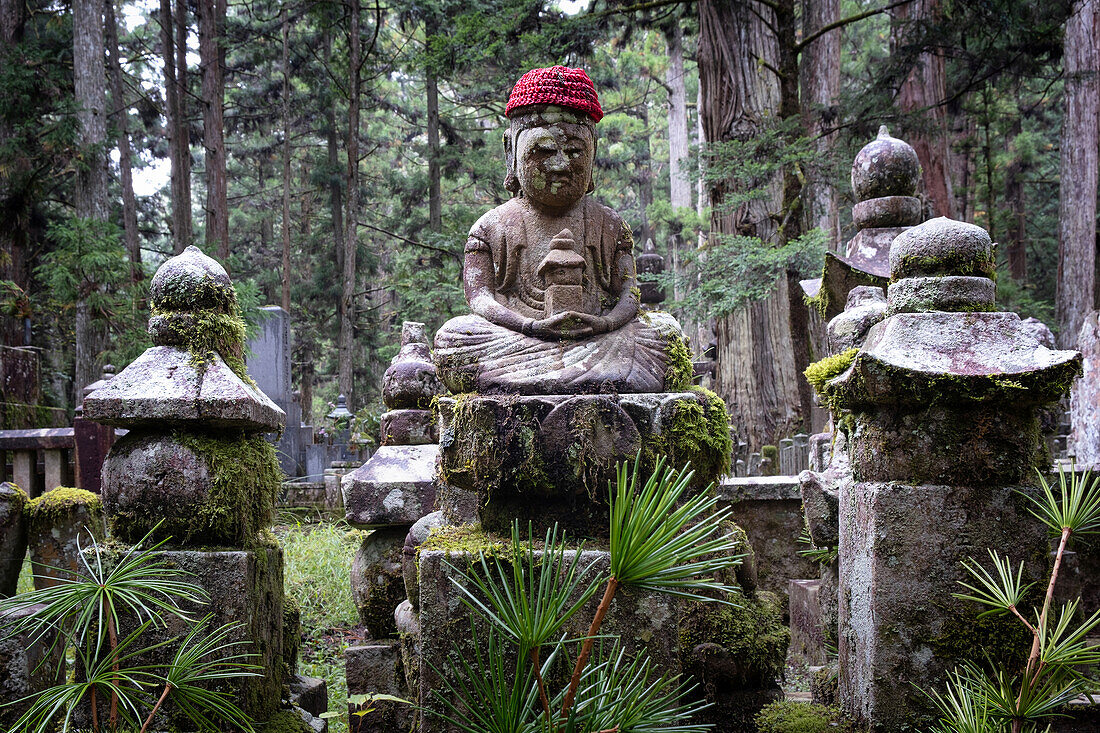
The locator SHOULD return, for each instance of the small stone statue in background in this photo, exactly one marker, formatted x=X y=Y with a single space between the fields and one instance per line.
x=550 y=275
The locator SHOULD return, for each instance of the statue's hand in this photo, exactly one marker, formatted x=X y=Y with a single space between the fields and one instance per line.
x=570 y=325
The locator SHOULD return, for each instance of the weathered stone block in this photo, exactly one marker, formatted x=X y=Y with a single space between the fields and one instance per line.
x=310 y=694
x=900 y=554
x=26 y=666
x=244 y=587
x=408 y=427
x=377 y=583
x=549 y=458
x=377 y=668
x=804 y=604
x=13 y=537
x=737 y=653
x=59 y=524
x=395 y=487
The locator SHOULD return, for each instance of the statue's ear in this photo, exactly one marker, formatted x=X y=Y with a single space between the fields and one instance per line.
x=511 y=182
x=592 y=168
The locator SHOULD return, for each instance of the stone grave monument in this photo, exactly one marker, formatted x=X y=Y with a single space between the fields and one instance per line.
x=267 y=358
x=939 y=408
x=195 y=460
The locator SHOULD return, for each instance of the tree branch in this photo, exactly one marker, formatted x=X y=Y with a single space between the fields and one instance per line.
x=634 y=8
x=843 y=22
x=413 y=242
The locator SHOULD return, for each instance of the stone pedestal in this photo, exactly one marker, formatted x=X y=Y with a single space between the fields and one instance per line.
x=395 y=487
x=27 y=666
x=13 y=537
x=549 y=458
x=900 y=554
x=735 y=653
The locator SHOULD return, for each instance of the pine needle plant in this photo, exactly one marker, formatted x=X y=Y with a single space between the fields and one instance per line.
x=1024 y=700
x=659 y=541
x=84 y=612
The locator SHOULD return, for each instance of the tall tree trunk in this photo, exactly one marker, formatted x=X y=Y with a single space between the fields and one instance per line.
x=756 y=372
x=679 y=184
x=176 y=128
x=820 y=82
x=125 y=164
x=90 y=83
x=13 y=231
x=1017 y=202
x=336 y=193
x=211 y=66
x=347 y=296
x=644 y=177
x=286 y=163
x=1077 y=190
x=923 y=92
x=183 y=92
x=435 y=195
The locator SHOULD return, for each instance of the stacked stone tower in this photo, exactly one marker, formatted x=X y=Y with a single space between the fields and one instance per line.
x=194 y=467
x=940 y=407
x=885 y=175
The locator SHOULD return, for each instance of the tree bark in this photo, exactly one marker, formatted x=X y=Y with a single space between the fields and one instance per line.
x=923 y=93
x=820 y=82
x=679 y=185
x=431 y=84
x=1077 y=189
x=756 y=372
x=211 y=67
x=286 y=163
x=1016 y=199
x=13 y=232
x=176 y=128
x=90 y=197
x=347 y=297
x=336 y=193
x=125 y=164
x=644 y=175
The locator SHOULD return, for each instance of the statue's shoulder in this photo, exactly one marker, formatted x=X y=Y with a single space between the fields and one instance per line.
x=491 y=226
x=612 y=224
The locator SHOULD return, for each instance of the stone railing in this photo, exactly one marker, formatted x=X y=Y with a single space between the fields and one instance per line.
x=39 y=459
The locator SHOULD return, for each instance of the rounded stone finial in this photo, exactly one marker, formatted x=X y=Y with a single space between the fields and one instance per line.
x=411 y=381
x=191 y=281
x=884 y=167
x=942 y=247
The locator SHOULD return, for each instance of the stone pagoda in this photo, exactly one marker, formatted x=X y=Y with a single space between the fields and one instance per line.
x=939 y=409
x=194 y=468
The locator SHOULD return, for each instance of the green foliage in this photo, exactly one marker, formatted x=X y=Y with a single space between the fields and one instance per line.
x=801 y=717
x=317 y=557
x=820 y=372
x=823 y=555
x=87 y=609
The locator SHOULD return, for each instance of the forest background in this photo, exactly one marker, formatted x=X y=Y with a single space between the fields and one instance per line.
x=334 y=154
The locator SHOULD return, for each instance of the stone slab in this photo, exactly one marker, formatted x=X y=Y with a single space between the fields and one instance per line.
x=377 y=668
x=310 y=694
x=408 y=427
x=901 y=548
x=807 y=638
x=396 y=486
x=166 y=385
x=267 y=354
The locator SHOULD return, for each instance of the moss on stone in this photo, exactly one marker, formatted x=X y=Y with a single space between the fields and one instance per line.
x=284 y=721
x=966 y=637
x=801 y=717
x=239 y=504
x=60 y=502
x=202 y=333
x=680 y=370
x=820 y=372
x=292 y=635
x=752 y=632
x=699 y=433
x=466 y=539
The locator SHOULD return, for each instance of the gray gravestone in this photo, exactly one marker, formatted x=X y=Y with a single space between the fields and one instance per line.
x=268 y=361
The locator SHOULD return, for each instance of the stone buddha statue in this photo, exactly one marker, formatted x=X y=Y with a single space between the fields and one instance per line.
x=550 y=275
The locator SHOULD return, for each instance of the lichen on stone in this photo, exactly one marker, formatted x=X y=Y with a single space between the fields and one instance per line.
x=61 y=501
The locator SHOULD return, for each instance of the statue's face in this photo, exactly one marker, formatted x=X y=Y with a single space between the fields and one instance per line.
x=554 y=161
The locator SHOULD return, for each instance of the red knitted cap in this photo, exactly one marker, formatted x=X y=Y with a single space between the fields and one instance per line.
x=559 y=85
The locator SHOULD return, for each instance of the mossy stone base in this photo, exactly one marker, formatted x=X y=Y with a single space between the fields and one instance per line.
x=206 y=487
x=901 y=631
x=549 y=458
x=736 y=653
x=245 y=587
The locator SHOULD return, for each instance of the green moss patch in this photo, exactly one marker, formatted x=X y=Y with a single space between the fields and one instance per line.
x=820 y=372
x=752 y=632
x=61 y=502
x=700 y=434
x=801 y=717
x=284 y=721
x=680 y=370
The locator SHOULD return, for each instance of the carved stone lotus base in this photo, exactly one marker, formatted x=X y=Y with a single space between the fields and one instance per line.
x=549 y=458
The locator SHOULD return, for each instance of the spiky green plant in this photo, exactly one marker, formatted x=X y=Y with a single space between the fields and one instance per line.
x=83 y=612
x=660 y=540
x=1021 y=700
